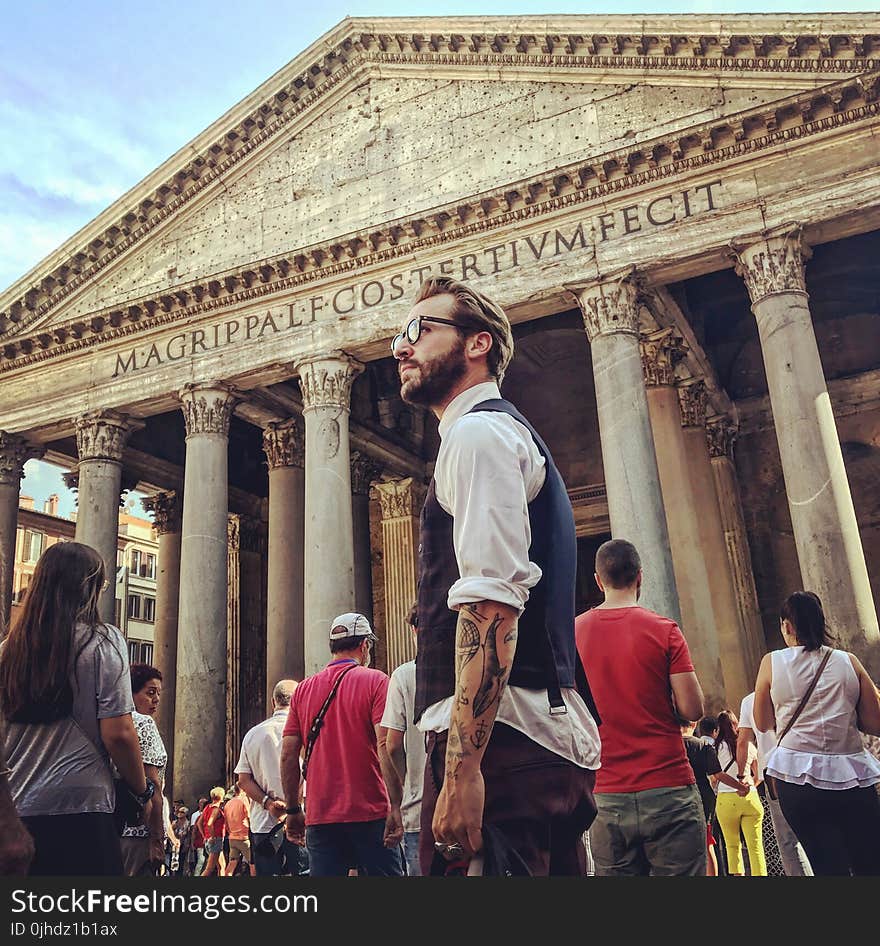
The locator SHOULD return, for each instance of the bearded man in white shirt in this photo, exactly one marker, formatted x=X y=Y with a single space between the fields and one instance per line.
x=499 y=688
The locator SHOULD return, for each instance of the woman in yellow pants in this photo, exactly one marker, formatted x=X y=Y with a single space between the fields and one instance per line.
x=739 y=809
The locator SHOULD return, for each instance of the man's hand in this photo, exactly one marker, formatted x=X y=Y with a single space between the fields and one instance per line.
x=393 y=827
x=458 y=817
x=743 y=789
x=276 y=807
x=295 y=829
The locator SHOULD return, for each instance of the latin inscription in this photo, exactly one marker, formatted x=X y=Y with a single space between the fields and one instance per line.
x=581 y=239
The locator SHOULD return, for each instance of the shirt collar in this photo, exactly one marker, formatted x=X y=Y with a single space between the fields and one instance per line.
x=468 y=399
x=281 y=709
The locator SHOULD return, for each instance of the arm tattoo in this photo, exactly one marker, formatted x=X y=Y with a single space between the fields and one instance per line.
x=469 y=643
x=493 y=673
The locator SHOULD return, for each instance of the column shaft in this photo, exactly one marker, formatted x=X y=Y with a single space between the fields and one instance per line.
x=363 y=471
x=165 y=508
x=285 y=644
x=200 y=713
x=826 y=532
x=632 y=484
x=14 y=452
x=100 y=438
x=401 y=501
x=329 y=550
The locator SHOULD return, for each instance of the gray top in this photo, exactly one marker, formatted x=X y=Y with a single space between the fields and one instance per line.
x=63 y=768
x=399 y=713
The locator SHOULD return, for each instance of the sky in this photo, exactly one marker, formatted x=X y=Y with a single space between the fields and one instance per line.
x=94 y=95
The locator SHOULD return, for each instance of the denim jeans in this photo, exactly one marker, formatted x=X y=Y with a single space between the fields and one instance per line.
x=334 y=848
x=411 y=853
x=290 y=858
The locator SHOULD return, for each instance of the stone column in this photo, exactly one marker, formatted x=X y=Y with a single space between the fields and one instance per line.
x=200 y=713
x=401 y=502
x=165 y=508
x=100 y=439
x=721 y=435
x=15 y=451
x=826 y=532
x=326 y=383
x=610 y=311
x=283 y=444
x=364 y=470
x=737 y=664
x=660 y=353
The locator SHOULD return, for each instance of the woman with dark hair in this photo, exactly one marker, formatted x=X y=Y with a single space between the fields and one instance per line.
x=66 y=701
x=824 y=776
x=143 y=844
x=739 y=809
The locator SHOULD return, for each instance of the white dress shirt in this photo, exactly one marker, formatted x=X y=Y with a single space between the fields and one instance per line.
x=261 y=759
x=488 y=470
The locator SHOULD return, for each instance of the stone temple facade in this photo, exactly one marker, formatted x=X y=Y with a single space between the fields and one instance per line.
x=681 y=215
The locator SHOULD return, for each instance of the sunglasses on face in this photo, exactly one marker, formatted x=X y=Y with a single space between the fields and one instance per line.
x=413 y=331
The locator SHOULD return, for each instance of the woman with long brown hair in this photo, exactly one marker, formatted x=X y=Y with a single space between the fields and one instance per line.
x=739 y=810
x=66 y=700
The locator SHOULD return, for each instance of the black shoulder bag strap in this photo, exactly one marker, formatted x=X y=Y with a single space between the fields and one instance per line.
x=804 y=699
x=318 y=721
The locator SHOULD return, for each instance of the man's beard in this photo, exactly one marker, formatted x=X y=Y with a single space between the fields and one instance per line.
x=432 y=381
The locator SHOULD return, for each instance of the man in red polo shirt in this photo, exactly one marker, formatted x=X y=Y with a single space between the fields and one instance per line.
x=352 y=818
x=650 y=818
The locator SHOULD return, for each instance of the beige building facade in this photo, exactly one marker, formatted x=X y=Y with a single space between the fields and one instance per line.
x=681 y=215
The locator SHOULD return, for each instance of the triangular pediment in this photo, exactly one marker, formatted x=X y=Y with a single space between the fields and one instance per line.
x=387 y=121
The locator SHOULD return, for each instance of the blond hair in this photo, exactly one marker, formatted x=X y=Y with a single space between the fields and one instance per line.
x=475 y=311
x=217 y=793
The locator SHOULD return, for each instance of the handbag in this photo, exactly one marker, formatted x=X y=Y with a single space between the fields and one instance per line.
x=127 y=809
x=769 y=780
x=318 y=721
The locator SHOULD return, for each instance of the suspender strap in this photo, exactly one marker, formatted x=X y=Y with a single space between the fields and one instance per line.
x=318 y=721
x=805 y=697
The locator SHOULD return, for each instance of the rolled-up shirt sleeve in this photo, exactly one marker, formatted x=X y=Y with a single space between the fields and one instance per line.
x=487 y=471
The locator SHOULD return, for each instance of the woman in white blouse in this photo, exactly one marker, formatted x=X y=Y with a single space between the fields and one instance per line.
x=824 y=776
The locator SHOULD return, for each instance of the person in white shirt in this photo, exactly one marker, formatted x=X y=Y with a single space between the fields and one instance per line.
x=259 y=776
x=406 y=747
x=794 y=861
x=496 y=686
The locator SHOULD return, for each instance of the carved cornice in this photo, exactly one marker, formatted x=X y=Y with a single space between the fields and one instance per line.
x=825 y=109
x=774 y=262
x=101 y=435
x=284 y=444
x=71 y=480
x=15 y=451
x=693 y=398
x=399 y=498
x=207 y=408
x=364 y=469
x=610 y=306
x=165 y=508
x=326 y=381
x=661 y=352
x=721 y=435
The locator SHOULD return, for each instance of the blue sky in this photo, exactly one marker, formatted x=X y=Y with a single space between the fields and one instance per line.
x=95 y=95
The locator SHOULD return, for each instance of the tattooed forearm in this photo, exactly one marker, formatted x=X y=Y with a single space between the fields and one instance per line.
x=490 y=629
x=494 y=674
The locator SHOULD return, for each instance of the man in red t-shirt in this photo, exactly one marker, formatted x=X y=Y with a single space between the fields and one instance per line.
x=352 y=816
x=650 y=818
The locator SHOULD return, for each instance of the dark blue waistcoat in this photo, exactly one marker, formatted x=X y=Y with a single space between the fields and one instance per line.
x=546 y=657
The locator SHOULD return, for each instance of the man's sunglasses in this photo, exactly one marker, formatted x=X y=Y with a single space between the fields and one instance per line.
x=413 y=331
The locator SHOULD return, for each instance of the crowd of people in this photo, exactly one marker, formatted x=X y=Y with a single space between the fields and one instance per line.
x=520 y=732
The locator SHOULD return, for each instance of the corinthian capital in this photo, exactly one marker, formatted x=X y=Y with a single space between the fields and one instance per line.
x=399 y=497
x=692 y=398
x=283 y=444
x=166 y=511
x=772 y=263
x=101 y=435
x=611 y=306
x=721 y=435
x=207 y=408
x=326 y=381
x=15 y=451
x=364 y=469
x=661 y=352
